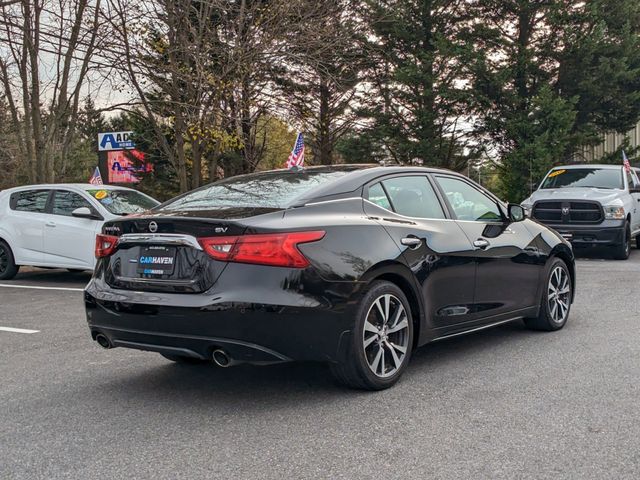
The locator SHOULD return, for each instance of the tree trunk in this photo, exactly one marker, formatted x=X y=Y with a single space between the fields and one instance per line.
x=196 y=169
x=181 y=159
x=427 y=114
x=324 y=141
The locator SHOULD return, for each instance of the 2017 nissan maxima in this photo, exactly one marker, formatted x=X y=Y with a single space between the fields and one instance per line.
x=355 y=266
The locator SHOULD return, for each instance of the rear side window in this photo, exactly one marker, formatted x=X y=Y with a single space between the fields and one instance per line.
x=66 y=202
x=30 y=201
x=378 y=196
x=409 y=196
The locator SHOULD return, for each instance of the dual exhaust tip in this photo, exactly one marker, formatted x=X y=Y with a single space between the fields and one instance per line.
x=103 y=341
x=219 y=356
x=222 y=358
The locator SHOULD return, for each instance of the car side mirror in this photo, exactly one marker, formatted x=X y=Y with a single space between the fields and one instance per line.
x=516 y=212
x=85 y=212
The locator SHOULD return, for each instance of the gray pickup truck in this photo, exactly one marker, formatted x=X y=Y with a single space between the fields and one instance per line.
x=590 y=205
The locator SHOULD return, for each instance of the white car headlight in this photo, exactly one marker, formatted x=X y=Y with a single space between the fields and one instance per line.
x=527 y=208
x=614 y=212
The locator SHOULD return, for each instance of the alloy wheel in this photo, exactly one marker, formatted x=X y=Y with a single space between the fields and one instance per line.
x=386 y=335
x=559 y=294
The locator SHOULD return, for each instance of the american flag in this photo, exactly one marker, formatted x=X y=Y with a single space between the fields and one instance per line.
x=296 y=159
x=625 y=162
x=96 y=178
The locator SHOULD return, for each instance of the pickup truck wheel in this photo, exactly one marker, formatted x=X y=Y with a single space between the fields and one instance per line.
x=8 y=267
x=622 y=250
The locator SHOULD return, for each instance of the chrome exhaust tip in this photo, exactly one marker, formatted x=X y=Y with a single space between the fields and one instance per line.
x=221 y=358
x=103 y=341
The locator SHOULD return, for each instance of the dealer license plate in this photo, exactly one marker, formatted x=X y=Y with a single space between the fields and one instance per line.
x=156 y=260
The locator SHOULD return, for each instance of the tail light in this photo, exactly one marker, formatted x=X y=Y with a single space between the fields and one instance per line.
x=275 y=249
x=105 y=245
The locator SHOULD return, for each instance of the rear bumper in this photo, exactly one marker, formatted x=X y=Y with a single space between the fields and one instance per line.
x=609 y=233
x=299 y=327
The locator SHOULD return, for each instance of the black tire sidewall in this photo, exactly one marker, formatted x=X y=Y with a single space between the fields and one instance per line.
x=357 y=348
x=545 y=300
x=623 y=250
x=627 y=239
x=12 y=268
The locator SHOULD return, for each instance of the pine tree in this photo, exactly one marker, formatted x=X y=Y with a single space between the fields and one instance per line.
x=418 y=77
x=553 y=76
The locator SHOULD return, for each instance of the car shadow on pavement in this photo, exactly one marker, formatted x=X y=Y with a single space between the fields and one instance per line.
x=598 y=253
x=51 y=277
x=294 y=382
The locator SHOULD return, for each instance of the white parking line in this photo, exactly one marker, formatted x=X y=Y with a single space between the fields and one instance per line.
x=18 y=330
x=66 y=289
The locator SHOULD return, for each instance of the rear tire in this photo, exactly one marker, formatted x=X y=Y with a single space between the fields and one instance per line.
x=8 y=267
x=623 y=250
x=184 y=359
x=379 y=347
x=556 y=299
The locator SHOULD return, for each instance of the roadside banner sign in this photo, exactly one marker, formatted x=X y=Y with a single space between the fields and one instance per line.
x=115 y=141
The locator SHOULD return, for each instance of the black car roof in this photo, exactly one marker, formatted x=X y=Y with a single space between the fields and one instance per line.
x=358 y=175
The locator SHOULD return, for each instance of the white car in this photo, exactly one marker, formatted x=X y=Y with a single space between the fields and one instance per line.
x=55 y=226
x=590 y=205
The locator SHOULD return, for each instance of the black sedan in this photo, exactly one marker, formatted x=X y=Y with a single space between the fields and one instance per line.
x=355 y=266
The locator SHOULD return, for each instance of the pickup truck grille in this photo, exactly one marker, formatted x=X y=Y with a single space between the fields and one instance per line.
x=568 y=212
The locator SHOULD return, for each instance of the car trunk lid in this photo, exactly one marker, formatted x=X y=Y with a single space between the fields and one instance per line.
x=161 y=252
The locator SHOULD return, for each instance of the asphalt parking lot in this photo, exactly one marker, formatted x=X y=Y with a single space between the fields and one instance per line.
x=504 y=403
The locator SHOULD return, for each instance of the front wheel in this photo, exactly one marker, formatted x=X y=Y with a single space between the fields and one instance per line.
x=556 y=299
x=380 y=345
x=623 y=249
x=8 y=267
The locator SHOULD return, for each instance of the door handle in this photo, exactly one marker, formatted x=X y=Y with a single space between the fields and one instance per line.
x=411 y=242
x=481 y=243
x=50 y=224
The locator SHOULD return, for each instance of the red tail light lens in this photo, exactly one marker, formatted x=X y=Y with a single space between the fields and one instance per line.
x=277 y=249
x=105 y=245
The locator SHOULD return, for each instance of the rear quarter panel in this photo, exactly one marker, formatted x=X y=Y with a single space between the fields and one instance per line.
x=7 y=229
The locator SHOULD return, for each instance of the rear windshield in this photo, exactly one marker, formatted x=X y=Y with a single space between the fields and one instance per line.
x=268 y=190
x=584 y=177
x=123 y=202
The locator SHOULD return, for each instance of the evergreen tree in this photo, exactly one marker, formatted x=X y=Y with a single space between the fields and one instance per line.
x=553 y=76
x=91 y=122
x=420 y=50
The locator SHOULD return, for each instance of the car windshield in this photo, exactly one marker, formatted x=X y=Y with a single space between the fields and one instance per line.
x=584 y=177
x=262 y=190
x=123 y=202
